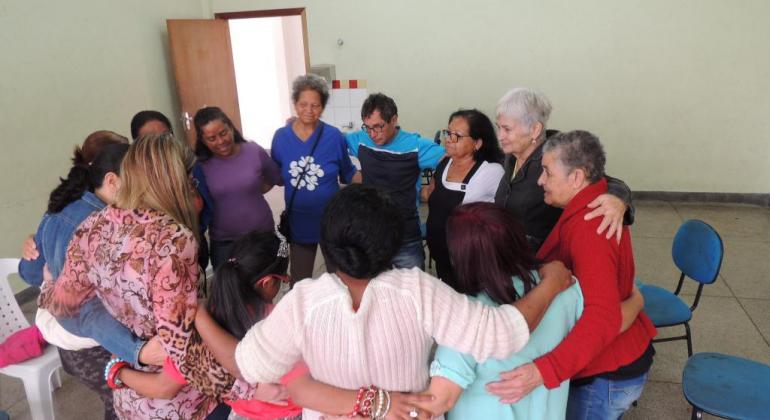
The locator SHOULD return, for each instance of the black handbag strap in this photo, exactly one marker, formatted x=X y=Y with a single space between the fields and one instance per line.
x=304 y=170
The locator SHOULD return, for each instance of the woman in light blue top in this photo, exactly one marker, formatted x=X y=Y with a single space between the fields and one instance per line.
x=490 y=254
x=493 y=261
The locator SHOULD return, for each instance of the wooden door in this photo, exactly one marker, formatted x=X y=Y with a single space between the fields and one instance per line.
x=203 y=68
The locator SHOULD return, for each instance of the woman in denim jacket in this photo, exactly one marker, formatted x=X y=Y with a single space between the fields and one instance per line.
x=92 y=183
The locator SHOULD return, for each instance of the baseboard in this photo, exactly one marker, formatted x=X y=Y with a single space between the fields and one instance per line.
x=29 y=294
x=704 y=197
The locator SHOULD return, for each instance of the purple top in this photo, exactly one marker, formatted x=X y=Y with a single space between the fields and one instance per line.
x=235 y=184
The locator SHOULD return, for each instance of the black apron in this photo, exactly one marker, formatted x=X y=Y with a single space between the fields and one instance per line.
x=440 y=205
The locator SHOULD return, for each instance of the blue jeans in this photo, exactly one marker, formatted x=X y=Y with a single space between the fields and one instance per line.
x=604 y=398
x=411 y=254
x=95 y=322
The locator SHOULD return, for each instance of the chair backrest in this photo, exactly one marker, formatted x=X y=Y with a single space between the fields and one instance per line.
x=698 y=251
x=11 y=317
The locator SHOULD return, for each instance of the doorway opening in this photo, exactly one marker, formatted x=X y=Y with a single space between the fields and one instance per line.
x=269 y=51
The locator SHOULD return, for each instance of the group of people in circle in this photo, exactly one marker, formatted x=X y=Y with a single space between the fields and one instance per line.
x=533 y=314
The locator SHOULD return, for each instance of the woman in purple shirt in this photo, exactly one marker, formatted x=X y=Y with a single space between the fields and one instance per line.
x=238 y=174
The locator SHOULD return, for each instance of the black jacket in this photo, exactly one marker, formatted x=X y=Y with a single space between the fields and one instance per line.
x=525 y=199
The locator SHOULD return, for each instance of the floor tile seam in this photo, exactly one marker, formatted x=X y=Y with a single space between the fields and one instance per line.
x=756 y=327
x=22 y=401
x=21 y=398
x=727 y=284
x=753 y=298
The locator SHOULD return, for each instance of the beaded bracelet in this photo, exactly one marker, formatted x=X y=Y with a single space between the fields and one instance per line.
x=364 y=400
x=111 y=370
x=383 y=405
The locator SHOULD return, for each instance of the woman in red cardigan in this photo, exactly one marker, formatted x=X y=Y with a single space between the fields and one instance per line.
x=608 y=368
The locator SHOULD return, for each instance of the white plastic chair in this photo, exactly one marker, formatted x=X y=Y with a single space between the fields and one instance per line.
x=41 y=374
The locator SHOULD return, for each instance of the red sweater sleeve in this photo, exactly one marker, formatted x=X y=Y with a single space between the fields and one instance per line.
x=595 y=263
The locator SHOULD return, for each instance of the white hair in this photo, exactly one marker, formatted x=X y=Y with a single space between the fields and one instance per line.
x=525 y=105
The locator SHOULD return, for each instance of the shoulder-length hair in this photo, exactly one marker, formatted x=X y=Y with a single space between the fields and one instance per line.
x=480 y=128
x=205 y=116
x=487 y=246
x=155 y=174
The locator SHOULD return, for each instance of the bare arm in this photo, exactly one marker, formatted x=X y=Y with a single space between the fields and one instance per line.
x=266 y=185
x=220 y=342
x=444 y=393
x=150 y=385
x=309 y=393
x=357 y=178
x=29 y=248
x=427 y=190
x=555 y=278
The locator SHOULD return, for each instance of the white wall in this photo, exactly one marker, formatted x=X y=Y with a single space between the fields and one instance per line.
x=267 y=55
x=676 y=90
x=67 y=69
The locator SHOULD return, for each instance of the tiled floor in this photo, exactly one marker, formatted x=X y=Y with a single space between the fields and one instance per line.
x=733 y=316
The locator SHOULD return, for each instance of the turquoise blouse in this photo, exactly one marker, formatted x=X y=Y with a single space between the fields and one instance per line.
x=541 y=403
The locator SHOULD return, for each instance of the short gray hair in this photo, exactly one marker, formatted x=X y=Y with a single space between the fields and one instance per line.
x=527 y=106
x=579 y=150
x=310 y=82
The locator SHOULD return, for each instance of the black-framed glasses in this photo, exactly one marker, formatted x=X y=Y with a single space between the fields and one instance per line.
x=377 y=128
x=448 y=136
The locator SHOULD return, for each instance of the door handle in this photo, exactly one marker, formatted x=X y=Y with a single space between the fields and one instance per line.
x=187 y=121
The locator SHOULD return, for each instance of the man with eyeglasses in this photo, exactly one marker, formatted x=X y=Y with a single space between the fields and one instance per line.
x=393 y=159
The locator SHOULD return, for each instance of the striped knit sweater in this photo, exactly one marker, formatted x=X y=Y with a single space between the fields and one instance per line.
x=387 y=342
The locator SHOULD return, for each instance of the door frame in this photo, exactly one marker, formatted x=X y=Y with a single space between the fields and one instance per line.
x=297 y=11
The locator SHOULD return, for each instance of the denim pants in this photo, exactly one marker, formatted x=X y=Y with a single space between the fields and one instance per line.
x=411 y=254
x=604 y=398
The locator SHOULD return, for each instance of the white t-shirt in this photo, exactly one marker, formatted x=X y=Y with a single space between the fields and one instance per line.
x=481 y=187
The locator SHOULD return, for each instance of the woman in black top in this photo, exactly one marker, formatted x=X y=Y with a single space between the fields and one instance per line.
x=470 y=172
x=522 y=115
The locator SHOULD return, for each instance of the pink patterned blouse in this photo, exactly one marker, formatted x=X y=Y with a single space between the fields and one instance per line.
x=143 y=266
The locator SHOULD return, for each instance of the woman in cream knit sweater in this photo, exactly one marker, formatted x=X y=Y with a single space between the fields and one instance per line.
x=368 y=324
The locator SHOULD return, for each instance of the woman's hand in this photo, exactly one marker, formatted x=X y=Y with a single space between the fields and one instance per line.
x=516 y=384
x=630 y=308
x=272 y=393
x=612 y=209
x=557 y=274
x=402 y=404
x=29 y=249
x=152 y=353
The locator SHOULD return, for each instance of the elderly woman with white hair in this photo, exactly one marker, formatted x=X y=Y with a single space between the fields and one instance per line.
x=522 y=116
x=608 y=366
x=313 y=156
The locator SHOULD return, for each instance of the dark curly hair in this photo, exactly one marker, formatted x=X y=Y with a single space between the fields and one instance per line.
x=77 y=181
x=379 y=102
x=481 y=128
x=143 y=117
x=361 y=231
x=205 y=116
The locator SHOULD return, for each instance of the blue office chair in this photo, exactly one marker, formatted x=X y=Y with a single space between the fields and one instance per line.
x=697 y=251
x=727 y=386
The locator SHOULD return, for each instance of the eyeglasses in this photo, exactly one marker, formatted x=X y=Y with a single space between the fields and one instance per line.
x=451 y=136
x=376 y=129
